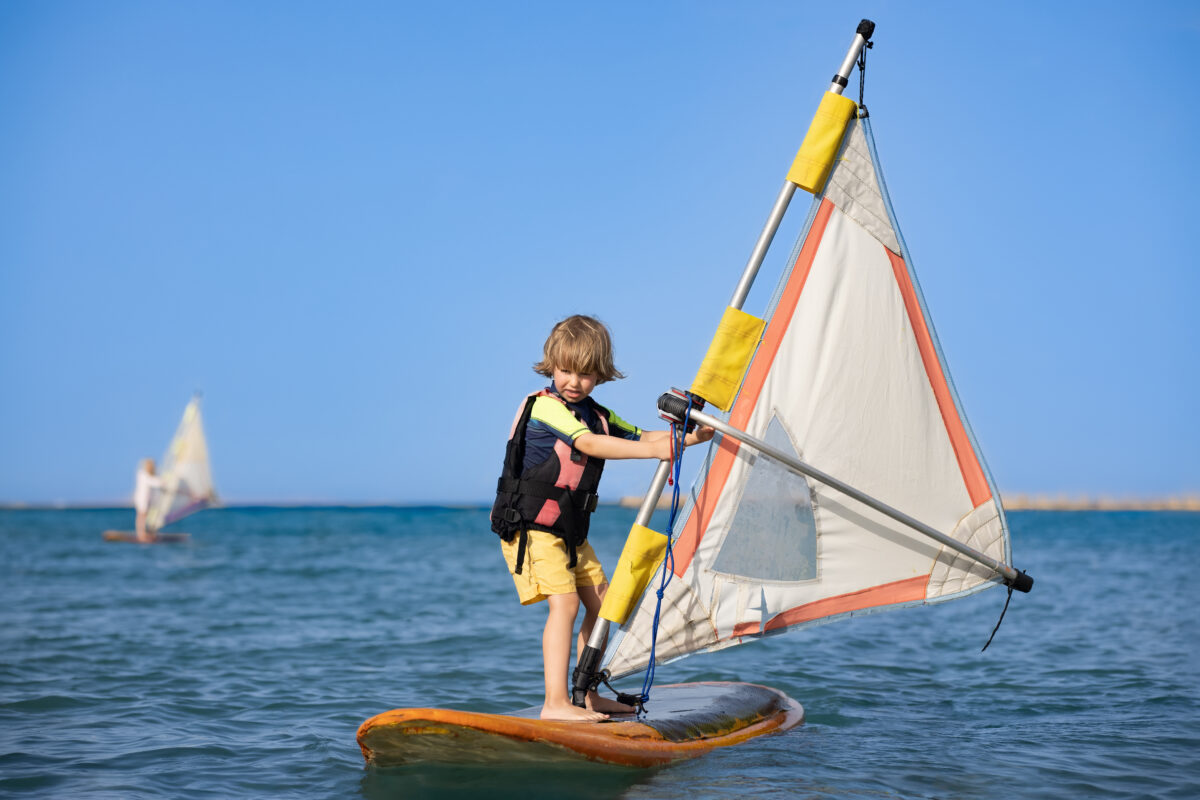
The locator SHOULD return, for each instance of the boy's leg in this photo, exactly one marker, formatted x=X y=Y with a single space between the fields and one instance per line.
x=592 y=598
x=546 y=576
x=556 y=657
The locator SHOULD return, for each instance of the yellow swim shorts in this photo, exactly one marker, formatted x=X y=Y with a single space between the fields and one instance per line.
x=545 y=571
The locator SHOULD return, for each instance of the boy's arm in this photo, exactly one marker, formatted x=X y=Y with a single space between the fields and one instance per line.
x=701 y=434
x=653 y=444
x=600 y=446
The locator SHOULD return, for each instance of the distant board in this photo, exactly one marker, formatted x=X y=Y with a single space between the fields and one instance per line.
x=682 y=721
x=130 y=536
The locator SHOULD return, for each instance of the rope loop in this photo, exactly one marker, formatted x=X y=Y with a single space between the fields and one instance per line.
x=862 y=79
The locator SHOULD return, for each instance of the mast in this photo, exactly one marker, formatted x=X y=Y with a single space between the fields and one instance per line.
x=586 y=674
x=840 y=80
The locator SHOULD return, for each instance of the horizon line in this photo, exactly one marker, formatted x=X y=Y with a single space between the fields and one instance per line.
x=1018 y=501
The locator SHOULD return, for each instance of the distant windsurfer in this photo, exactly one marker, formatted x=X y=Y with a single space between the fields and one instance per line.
x=546 y=494
x=144 y=484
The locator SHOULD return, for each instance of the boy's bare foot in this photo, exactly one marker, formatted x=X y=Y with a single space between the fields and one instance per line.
x=566 y=712
x=608 y=705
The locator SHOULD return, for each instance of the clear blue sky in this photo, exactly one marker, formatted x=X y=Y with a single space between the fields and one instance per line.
x=353 y=224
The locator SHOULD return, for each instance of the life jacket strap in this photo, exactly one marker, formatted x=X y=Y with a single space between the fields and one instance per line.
x=582 y=500
x=524 y=540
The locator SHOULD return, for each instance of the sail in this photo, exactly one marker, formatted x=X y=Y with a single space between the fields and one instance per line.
x=848 y=377
x=187 y=484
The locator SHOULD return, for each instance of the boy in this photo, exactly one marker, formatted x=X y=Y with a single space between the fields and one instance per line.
x=545 y=496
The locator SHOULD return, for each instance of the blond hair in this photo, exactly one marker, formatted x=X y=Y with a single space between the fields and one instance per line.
x=579 y=344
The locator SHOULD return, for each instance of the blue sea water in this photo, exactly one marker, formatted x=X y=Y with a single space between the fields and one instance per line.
x=241 y=664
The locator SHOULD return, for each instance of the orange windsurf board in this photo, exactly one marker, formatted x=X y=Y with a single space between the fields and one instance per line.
x=682 y=721
x=130 y=536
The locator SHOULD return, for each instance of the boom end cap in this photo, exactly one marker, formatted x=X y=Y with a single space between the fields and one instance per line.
x=1022 y=583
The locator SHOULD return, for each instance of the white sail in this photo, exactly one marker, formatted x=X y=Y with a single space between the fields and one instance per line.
x=849 y=378
x=187 y=484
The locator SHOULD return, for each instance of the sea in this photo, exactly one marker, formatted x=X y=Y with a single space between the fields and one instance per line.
x=240 y=664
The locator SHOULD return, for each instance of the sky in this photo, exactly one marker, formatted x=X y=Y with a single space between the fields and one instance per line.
x=352 y=226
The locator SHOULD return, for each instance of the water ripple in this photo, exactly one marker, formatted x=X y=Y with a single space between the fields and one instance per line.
x=240 y=665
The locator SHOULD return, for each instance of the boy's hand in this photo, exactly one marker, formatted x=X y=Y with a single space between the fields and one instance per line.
x=702 y=434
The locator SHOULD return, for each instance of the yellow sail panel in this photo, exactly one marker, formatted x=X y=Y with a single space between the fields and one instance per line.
x=643 y=552
x=821 y=143
x=729 y=354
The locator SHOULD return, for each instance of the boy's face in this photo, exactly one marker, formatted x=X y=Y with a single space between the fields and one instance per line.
x=574 y=386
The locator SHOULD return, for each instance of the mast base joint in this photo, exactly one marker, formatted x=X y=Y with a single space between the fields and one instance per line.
x=586 y=676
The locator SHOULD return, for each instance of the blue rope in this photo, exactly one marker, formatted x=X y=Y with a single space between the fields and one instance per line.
x=678 y=435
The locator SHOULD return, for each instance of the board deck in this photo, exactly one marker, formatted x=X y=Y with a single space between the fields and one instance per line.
x=682 y=721
x=130 y=536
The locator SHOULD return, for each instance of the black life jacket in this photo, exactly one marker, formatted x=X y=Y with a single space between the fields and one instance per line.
x=557 y=495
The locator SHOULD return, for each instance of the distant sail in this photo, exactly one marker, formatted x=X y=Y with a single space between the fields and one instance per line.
x=187 y=484
x=848 y=377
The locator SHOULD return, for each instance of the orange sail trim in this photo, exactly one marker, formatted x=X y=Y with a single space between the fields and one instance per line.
x=905 y=591
x=689 y=538
x=688 y=541
x=968 y=463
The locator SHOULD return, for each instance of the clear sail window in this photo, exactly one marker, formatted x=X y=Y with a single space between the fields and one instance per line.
x=774 y=535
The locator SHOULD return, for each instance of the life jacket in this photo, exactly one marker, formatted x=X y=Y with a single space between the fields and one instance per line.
x=557 y=495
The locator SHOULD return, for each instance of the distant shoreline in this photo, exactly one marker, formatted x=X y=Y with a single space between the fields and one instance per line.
x=1023 y=502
